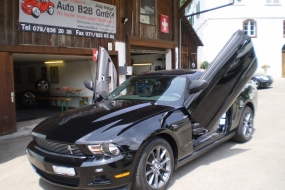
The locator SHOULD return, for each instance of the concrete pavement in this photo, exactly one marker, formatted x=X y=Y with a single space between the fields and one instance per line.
x=256 y=165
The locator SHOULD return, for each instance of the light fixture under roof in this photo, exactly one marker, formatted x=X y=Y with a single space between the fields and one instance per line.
x=53 y=61
x=142 y=64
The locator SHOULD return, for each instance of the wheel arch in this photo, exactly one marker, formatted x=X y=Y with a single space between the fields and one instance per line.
x=250 y=104
x=173 y=145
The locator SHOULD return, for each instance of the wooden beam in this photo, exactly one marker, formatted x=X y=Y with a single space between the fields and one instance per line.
x=27 y=49
x=144 y=42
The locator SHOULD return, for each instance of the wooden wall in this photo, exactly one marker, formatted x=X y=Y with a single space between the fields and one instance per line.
x=10 y=35
x=135 y=28
x=189 y=48
x=7 y=108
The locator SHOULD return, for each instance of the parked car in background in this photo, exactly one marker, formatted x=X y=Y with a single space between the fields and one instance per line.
x=262 y=80
x=150 y=125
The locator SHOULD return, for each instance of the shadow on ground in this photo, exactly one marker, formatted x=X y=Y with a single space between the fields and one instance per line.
x=13 y=148
x=25 y=114
x=221 y=152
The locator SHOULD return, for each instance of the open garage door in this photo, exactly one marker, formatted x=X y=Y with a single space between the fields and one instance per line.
x=148 y=60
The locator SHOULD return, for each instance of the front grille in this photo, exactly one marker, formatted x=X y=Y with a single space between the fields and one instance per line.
x=59 y=148
x=58 y=179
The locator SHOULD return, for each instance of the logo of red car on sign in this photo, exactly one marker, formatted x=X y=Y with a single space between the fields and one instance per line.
x=36 y=7
x=164 y=24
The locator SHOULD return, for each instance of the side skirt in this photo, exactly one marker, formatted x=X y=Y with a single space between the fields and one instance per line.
x=204 y=150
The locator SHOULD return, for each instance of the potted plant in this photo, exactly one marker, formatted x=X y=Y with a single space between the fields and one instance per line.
x=204 y=65
x=265 y=67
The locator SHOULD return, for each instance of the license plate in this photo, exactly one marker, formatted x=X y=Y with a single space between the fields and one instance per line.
x=64 y=170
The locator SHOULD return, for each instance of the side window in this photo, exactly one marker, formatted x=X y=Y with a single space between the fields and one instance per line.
x=249 y=26
x=147 y=12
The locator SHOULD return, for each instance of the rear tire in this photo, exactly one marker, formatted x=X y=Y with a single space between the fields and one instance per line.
x=245 y=128
x=155 y=166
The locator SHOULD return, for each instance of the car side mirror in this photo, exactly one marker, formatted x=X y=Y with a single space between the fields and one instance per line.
x=89 y=84
x=197 y=85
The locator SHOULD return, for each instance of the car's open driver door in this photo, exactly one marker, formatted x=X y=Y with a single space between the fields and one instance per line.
x=227 y=75
x=106 y=77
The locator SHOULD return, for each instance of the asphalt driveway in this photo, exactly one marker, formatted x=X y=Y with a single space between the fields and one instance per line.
x=256 y=165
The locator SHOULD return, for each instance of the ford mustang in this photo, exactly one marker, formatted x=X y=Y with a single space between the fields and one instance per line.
x=152 y=124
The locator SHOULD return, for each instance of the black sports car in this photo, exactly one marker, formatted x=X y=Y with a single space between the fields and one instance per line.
x=262 y=81
x=150 y=125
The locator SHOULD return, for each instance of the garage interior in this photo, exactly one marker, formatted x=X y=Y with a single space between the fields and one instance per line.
x=29 y=69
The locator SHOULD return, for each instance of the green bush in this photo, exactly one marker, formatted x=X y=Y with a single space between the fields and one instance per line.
x=204 y=65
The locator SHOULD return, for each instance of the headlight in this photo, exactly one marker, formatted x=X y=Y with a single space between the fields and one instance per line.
x=111 y=148
x=96 y=149
x=104 y=149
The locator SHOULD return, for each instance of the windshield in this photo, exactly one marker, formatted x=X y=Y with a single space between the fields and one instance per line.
x=162 y=90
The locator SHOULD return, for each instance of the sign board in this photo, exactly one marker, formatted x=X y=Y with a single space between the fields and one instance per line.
x=68 y=17
x=95 y=54
x=129 y=70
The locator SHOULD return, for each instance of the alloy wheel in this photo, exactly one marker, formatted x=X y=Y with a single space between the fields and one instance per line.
x=247 y=125
x=43 y=85
x=158 y=167
x=29 y=98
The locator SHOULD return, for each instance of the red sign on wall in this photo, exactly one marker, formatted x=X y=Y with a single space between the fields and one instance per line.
x=95 y=54
x=164 y=24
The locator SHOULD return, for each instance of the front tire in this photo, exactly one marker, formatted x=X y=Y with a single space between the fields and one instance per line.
x=155 y=166
x=245 y=128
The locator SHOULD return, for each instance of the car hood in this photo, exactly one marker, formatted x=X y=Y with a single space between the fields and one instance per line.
x=102 y=121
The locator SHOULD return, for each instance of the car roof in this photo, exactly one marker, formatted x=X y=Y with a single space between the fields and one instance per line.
x=175 y=72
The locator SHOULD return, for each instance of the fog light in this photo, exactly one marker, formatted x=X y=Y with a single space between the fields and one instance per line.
x=122 y=175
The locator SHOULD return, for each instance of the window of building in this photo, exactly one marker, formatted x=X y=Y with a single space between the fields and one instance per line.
x=249 y=26
x=147 y=12
x=192 y=19
x=283 y=28
x=198 y=9
x=272 y=2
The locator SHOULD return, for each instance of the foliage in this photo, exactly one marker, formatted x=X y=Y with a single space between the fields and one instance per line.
x=265 y=66
x=182 y=2
x=204 y=65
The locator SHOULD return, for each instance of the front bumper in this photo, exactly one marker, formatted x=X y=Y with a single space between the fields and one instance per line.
x=85 y=175
x=265 y=83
